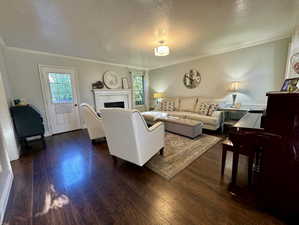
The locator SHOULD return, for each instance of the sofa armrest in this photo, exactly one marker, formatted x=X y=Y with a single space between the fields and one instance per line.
x=219 y=115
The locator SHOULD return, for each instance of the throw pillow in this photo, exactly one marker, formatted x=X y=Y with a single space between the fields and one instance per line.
x=212 y=108
x=173 y=99
x=203 y=108
x=167 y=106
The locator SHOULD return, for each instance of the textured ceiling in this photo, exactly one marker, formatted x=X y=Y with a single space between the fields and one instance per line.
x=126 y=31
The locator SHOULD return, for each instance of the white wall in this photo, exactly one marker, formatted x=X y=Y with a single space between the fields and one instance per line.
x=25 y=82
x=6 y=125
x=259 y=69
x=4 y=73
x=8 y=147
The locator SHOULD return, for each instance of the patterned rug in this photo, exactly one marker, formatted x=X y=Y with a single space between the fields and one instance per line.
x=180 y=152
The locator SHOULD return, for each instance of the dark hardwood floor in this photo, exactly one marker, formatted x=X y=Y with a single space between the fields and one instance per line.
x=75 y=182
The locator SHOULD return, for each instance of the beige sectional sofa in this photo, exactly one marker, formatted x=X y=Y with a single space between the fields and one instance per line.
x=190 y=108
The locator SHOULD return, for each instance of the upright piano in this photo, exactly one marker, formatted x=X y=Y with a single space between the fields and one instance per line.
x=278 y=140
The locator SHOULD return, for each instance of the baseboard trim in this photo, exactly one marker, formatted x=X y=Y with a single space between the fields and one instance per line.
x=5 y=196
x=47 y=134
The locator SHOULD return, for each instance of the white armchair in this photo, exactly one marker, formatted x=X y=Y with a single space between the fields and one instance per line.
x=129 y=137
x=93 y=122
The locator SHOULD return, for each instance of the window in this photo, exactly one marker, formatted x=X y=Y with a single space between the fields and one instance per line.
x=60 y=88
x=138 y=87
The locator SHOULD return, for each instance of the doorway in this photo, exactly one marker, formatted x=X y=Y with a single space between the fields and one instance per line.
x=59 y=86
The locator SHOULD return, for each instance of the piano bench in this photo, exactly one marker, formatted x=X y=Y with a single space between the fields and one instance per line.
x=227 y=145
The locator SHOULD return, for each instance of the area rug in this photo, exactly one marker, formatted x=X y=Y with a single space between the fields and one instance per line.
x=180 y=152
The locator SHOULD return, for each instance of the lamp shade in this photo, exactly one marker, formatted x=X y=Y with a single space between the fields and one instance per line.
x=158 y=95
x=235 y=86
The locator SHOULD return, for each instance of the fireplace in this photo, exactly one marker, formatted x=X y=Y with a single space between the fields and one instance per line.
x=120 y=98
x=114 y=104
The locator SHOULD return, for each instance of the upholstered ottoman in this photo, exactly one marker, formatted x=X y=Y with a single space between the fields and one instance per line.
x=185 y=127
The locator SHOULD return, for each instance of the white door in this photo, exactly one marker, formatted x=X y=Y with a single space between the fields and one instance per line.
x=60 y=96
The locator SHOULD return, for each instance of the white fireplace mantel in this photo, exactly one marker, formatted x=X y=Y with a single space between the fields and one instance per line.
x=102 y=96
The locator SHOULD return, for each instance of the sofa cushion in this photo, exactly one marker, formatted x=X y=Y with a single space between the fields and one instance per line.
x=212 y=108
x=173 y=99
x=167 y=105
x=203 y=118
x=177 y=114
x=188 y=104
x=203 y=109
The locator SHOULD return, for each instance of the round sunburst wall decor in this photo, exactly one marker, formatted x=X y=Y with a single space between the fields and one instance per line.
x=111 y=80
x=192 y=79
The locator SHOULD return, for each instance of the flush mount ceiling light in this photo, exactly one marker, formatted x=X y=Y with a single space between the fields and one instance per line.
x=162 y=49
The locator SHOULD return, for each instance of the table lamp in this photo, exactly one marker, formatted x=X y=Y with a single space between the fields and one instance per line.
x=158 y=96
x=235 y=87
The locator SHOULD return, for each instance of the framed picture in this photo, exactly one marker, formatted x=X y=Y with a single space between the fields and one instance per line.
x=291 y=85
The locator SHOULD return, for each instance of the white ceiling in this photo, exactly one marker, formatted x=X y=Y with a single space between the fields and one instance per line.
x=126 y=31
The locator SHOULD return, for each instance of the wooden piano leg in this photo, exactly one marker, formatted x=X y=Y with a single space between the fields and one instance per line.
x=235 y=169
x=257 y=161
x=250 y=167
x=224 y=151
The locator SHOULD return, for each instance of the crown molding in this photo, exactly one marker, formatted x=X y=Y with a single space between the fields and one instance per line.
x=227 y=50
x=74 y=58
x=207 y=54
x=2 y=42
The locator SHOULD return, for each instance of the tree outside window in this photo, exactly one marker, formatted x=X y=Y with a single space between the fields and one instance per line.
x=60 y=88
x=138 y=88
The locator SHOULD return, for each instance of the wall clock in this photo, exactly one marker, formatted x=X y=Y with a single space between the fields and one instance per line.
x=111 y=80
x=192 y=79
x=295 y=62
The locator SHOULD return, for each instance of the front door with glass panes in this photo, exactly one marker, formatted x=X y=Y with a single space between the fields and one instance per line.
x=60 y=96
